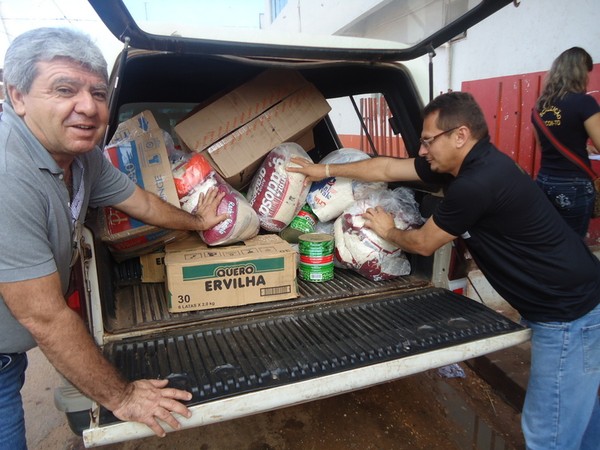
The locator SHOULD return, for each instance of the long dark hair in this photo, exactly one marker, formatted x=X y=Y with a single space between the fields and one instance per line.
x=569 y=73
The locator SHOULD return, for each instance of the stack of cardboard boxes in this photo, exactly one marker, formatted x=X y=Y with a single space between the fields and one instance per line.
x=138 y=149
x=235 y=132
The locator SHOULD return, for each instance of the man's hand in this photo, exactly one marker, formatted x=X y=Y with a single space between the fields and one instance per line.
x=380 y=221
x=39 y=305
x=206 y=211
x=312 y=171
x=151 y=209
x=148 y=400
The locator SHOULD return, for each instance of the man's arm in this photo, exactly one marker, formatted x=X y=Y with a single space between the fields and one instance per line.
x=40 y=307
x=423 y=241
x=153 y=210
x=381 y=168
x=592 y=126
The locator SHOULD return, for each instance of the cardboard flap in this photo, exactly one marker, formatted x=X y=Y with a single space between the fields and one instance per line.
x=249 y=143
x=231 y=111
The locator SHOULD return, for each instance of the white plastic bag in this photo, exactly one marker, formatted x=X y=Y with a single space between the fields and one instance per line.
x=329 y=197
x=361 y=249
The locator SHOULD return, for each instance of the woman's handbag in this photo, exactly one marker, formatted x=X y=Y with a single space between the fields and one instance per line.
x=571 y=157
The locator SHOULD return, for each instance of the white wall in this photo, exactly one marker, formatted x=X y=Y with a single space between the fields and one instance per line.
x=519 y=40
x=515 y=40
x=330 y=15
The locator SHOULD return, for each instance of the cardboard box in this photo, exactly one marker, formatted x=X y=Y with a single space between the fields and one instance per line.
x=144 y=244
x=261 y=269
x=243 y=178
x=134 y=127
x=153 y=267
x=287 y=120
x=230 y=111
x=236 y=131
x=144 y=158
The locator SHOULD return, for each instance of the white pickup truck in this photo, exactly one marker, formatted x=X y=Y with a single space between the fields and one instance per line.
x=337 y=336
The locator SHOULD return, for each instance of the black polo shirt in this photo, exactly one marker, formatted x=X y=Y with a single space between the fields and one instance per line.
x=519 y=241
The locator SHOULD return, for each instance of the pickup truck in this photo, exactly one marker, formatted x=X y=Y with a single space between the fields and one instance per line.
x=337 y=336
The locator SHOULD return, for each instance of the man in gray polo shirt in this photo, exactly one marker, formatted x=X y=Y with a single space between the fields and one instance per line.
x=51 y=170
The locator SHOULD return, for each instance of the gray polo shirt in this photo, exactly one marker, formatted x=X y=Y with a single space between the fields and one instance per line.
x=36 y=222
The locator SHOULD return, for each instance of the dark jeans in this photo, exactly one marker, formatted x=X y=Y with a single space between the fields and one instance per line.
x=572 y=197
x=12 y=418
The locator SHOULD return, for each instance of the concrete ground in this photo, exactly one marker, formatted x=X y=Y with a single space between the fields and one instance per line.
x=46 y=426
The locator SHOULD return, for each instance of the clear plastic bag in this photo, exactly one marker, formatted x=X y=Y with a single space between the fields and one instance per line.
x=361 y=249
x=329 y=197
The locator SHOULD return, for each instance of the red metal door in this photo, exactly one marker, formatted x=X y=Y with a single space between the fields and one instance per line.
x=506 y=103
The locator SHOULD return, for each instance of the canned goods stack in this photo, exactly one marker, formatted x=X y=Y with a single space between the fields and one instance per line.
x=316 y=257
x=303 y=223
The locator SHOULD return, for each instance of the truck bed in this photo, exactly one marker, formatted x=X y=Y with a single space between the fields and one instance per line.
x=338 y=336
x=142 y=306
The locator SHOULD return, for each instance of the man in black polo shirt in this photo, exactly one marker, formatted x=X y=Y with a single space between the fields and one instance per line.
x=525 y=249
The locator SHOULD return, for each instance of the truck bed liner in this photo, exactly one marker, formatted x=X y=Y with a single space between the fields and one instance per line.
x=142 y=306
x=227 y=357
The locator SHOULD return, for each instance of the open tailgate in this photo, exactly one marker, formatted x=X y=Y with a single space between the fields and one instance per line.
x=262 y=362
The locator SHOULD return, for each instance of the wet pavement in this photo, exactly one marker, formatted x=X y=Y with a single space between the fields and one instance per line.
x=507 y=372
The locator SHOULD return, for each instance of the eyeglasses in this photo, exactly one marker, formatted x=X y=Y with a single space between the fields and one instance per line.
x=426 y=142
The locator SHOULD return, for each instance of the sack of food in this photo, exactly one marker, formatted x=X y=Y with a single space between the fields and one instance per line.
x=276 y=194
x=329 y=197
x=194 y=177
x=191 y=172
x=242 y=223
x=361 y=249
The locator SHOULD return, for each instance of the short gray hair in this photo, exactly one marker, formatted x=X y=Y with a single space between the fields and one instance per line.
x=46 y=44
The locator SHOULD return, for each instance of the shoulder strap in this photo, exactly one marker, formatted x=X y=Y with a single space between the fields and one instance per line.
x=564 y=150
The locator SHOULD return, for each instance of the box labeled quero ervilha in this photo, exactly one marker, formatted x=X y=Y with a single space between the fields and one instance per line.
x=261 y=269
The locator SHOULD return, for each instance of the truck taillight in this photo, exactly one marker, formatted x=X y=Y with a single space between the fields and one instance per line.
x=75 y=296
x=458 y=286
x=74 y=302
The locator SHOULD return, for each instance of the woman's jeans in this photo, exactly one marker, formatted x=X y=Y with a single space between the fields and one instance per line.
x=562 y=409
x=572 y=197
x=12 y=419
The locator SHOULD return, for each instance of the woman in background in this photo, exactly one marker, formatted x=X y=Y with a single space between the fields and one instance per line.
x=572 y=116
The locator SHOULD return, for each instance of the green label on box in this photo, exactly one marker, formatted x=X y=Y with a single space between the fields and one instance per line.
x=233 y=269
